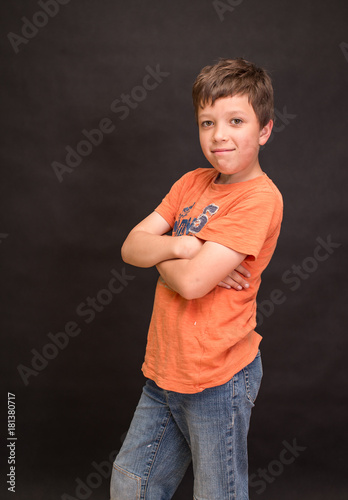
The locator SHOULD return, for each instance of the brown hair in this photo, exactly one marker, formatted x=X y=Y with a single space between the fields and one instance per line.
x=230 y=77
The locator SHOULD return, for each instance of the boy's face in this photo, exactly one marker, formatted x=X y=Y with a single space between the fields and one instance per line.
x=230 y=137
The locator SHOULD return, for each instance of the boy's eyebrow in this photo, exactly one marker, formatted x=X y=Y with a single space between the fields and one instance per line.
x=228 y=112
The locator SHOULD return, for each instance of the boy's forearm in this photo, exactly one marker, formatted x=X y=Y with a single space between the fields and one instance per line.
x=143 y=249
x=174 y=273
x=194 y=277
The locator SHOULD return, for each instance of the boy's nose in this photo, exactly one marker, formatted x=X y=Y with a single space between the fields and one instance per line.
x=219 y=134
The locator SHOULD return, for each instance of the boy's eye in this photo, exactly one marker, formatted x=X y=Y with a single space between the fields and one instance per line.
x=207 y=123
x=236 y=121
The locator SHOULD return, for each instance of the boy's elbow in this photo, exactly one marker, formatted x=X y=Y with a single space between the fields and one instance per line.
x=130 y=255
x=125 y=253
x=190 y=295
x=192 y=289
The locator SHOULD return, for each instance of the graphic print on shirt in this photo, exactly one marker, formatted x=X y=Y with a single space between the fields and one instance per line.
x=186 y=225
x=182 y=223
x=199 y=222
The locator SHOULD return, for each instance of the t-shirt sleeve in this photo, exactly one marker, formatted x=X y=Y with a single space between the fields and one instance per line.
x=246 y=227
x=169 y=206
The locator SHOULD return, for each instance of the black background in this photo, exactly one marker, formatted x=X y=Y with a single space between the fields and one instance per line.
x=60 y=241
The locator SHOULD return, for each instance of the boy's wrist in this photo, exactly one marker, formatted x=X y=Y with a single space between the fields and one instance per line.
x=181 y=248
x=178 y=247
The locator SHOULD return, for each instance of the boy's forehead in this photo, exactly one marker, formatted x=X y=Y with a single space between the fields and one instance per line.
x=238 y=102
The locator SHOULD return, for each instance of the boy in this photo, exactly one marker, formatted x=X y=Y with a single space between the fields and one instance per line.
x=202 y=359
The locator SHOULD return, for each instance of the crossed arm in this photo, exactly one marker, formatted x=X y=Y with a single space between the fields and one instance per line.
x=188 y=265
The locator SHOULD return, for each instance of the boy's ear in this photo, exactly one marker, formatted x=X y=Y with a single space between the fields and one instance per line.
x=265 y=133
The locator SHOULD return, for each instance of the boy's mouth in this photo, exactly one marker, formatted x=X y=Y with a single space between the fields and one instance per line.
x=222 y=150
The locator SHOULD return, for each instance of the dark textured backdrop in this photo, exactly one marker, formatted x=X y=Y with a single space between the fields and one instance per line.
x=65 y=215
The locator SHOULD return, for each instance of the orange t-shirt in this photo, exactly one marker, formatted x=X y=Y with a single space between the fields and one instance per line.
x=201 y=343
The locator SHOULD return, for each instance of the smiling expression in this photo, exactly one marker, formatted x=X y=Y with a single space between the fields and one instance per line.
x=230 y=137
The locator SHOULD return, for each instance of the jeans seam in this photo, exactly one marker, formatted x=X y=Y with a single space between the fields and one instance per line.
x=158 y=441
x=232 y=473
x=247 y=385
x=234 y=395
x=126 y=473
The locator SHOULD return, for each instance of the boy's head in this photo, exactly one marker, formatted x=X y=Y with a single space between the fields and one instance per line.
x=231 y=77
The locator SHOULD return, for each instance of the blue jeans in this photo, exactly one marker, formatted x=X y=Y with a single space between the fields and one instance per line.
x=170 y=429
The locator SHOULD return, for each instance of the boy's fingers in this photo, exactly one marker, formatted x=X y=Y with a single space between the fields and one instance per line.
x=243 y=271
x=235 y=279
x=237 y=284
x=223 y=285
x=239 y=280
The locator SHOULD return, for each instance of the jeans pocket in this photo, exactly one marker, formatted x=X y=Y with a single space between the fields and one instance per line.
x=124 y=485
x=252 y=376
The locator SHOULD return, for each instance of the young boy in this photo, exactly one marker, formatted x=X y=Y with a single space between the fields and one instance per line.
x=202 y=359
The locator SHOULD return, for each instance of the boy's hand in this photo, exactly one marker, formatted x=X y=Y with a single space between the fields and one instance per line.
x=235 y=279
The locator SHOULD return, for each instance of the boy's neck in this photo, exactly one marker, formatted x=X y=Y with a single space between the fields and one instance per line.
x=234 y=178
